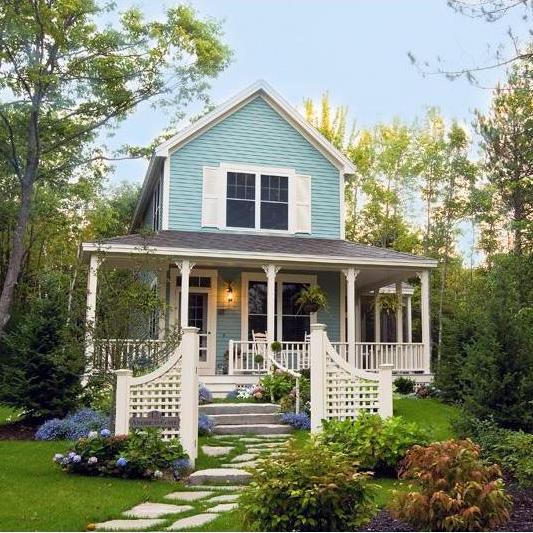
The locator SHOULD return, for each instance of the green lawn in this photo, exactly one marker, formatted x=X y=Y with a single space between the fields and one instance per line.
x=38 y=496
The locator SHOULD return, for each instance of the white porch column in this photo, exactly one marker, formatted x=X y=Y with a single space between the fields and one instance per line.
x=351 y=274
x=358 y=317
x=90 y=316
x=271 y=271
x=185 y=267
x=409 y=313
x=424 y=311
x=399 y=312
x=377 y=317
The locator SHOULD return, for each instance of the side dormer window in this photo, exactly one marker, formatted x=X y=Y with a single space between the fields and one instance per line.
x=256 y=198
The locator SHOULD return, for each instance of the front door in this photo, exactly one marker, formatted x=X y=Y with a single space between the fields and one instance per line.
x=202 y=315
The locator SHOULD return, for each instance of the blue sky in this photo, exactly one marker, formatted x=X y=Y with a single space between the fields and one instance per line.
x=355 y=49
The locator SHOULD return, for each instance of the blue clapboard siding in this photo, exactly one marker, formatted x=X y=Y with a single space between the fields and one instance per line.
x=255 y=134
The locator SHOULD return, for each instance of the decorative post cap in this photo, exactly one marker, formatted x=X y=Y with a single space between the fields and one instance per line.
x=318 y=327
x=124 y=372
x=190 y=329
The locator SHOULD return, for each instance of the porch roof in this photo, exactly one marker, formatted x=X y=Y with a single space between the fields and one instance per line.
x=255 y=246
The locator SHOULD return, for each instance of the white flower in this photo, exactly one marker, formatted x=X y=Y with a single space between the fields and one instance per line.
x=92 y=460
x=158 y=474
x=92 y=434
x=58 y=457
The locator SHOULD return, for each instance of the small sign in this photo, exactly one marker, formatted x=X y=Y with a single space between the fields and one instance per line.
x=154 y=419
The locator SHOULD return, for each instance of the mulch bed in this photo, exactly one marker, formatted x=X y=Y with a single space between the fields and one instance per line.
x=521 y=516
x=19 y=430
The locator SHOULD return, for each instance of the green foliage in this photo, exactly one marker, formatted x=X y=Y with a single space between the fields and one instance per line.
x=511 y=449
x=42 y=358
x=308 y=488
x=140 y=454
x=312 y=299
x=373 y=442
x=277 y=384
x=404 y=385
x=276 y=346
x=492 y=329
x=458 y=492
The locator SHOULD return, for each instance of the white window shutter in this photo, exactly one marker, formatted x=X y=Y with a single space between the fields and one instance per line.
x=302 y=203
x=210 y=197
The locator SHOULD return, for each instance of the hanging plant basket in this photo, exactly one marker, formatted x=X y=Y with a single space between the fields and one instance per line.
x=311 y=299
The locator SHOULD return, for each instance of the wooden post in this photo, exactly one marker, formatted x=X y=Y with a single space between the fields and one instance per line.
x=385 y=390
x=271 y=271
x=377 y=317
x=185 y=268
x=318 y=375
x=351 y=275
x=358 y=317
x=122 y=401
x=399 y=312
x=424 y=311
x=409 y=313
x=189 y=392
x=90 y=316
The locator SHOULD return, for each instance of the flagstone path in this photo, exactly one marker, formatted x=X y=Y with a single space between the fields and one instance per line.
x=211 y=493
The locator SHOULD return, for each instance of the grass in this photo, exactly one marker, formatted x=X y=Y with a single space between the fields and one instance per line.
x=38 y=496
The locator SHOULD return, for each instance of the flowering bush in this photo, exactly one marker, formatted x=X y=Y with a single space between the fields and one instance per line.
x=205 y=425
x=253 y=392
x=458 y=492
x=277 y=384
x=73 y=426
x=297 y=420
x=181 y=468
x=141 y=454
x=204 y=395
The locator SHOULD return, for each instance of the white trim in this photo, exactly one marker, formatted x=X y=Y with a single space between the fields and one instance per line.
x=257 y=170
x=277 y=101
x=166 y=195
x=281 y=278
x=342 y=206
x=342 y=303
x=259 y=256
x=209 y=366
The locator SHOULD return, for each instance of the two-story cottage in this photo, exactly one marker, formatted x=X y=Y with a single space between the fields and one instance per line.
x=247 y=207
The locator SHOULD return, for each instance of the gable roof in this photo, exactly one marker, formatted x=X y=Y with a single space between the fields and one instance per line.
x=259 y=88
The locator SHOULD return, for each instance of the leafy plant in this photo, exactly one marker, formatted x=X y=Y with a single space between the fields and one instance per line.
x=375 y=443
x=72 y=427
x=277 y=384
x=404 y=385
x=307 y=488
x=312 y=299
x=276 y=346
x=458 y=492
x=141 y=454
x=510 y=449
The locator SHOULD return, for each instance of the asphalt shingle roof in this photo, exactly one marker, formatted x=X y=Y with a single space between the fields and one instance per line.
x=273 y=244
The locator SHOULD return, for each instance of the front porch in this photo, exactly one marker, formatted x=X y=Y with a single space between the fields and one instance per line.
x=371 y=318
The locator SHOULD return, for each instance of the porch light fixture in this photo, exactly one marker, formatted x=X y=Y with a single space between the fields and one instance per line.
x=229 y=293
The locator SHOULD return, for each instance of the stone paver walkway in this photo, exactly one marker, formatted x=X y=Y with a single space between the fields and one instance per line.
x=211 y=492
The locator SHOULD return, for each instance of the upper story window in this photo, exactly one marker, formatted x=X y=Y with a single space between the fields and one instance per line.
x=257 y=201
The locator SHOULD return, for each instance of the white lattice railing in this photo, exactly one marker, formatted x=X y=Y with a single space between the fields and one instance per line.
x=340 y=390
x=170 y=392
x=111 y=354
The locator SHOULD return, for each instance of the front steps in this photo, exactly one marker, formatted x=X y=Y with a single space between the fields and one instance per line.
x=220 y=385
x=243 y=418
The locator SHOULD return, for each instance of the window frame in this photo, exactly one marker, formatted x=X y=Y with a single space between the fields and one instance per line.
x=257 y=171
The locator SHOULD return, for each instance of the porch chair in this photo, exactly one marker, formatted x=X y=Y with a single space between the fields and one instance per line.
x=259 y=346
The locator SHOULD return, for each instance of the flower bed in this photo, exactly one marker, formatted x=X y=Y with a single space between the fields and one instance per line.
x=141 y=454
x=74 y=426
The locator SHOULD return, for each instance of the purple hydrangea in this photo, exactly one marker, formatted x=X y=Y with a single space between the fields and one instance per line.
x=205 y=425
x=204 y=395
x=105 y=433
x=122 y=462
x=76 y=458
x=72 y=427
x=181 y=464
x=231 y=395
x=297 y=420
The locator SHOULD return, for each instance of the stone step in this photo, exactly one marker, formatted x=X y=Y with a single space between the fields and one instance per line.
x=238 y=408
x=220 y=476
x=245 y=419
x=257 y=429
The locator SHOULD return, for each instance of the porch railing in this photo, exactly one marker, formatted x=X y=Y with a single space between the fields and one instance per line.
x=251 y=357
x=136 y=354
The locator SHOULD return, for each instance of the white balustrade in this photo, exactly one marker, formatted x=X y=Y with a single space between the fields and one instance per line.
x=110 y=354
x=247 y=357
x=405 y=356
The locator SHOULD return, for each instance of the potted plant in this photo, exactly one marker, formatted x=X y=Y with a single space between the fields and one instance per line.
x=312 y=299
x=276 y=347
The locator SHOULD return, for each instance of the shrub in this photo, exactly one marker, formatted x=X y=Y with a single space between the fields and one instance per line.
x=141 y=454
x=205 y=425
x=375 y=443
x=204 y=395
x=74 y=426
x=307 y=488
x=404 y=385
x=277 y=384
x=297 y=420
x=510 y=449
x=457 y=491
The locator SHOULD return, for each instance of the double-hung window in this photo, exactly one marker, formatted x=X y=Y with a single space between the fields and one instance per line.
x=257 y=201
